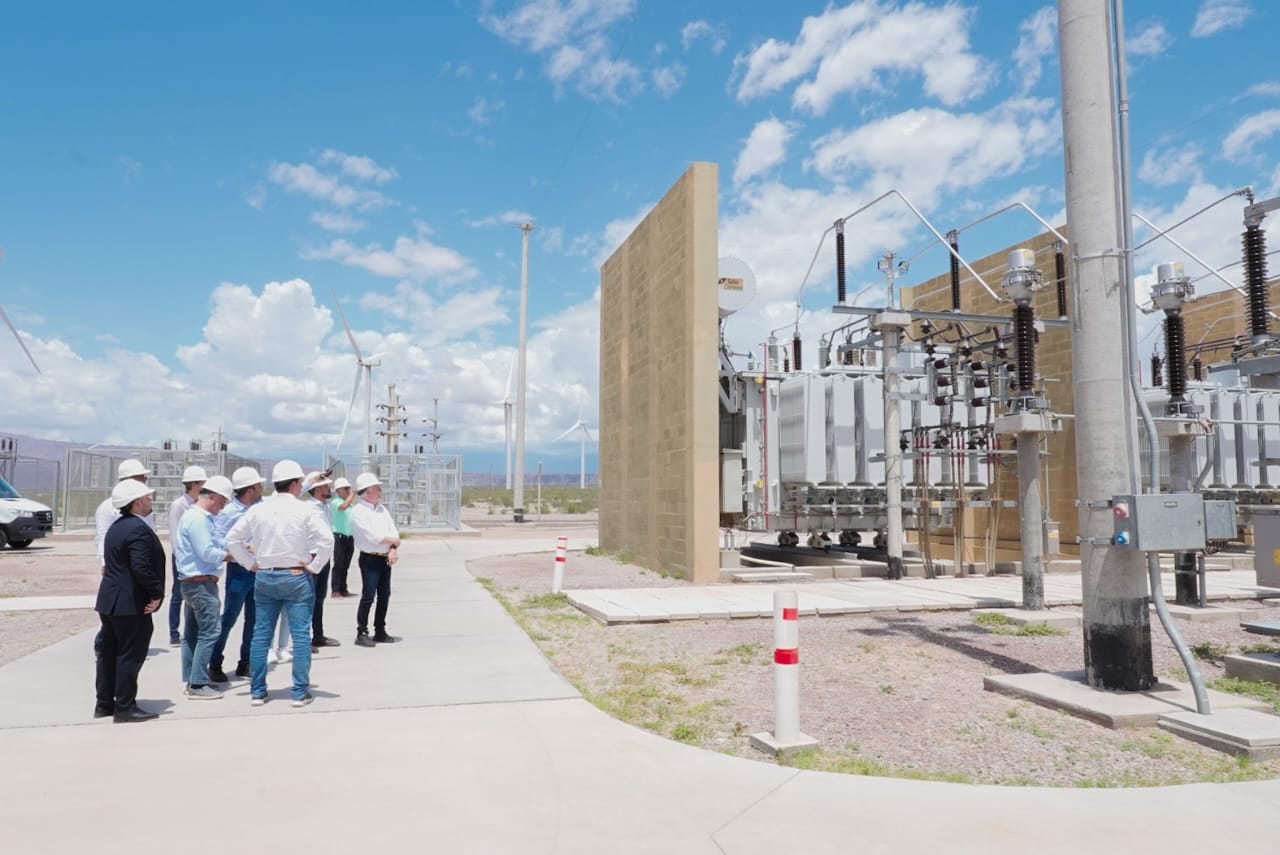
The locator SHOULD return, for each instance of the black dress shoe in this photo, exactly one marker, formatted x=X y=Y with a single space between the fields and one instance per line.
x=242 y=669
x=326 y=642
x=363 y=640
x=101 y=711
x=131 y=714
x=217 y=675
x=384 y=638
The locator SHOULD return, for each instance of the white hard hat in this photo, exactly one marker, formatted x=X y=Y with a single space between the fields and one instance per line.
x=285 y=470
x=341 y=484
x=192 y=474
x=130 y=468
x=365 y=480
x=127 y=491
x=245 y=476
x=313 y=480
x=221 y=485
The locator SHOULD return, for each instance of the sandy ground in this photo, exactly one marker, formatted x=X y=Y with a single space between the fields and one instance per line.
x=892 y=694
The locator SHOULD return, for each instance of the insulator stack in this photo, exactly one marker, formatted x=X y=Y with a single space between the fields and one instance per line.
x=1175 y=353
x=795 y=351
x=1024 y=340
x=1197 y=368
x=846 y=358
x=1060 y=275
x=955 y=272
x=1156 y=379
x=1255 y=274
x=840 y=282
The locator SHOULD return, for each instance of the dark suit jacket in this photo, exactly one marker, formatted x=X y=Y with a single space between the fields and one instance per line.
x=135 y=568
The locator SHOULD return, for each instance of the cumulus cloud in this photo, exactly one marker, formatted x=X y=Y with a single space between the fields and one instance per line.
x=307 y=180
x=1238 y=146
x=1215 y=16
x=510 y=217
x=764 y=149
x=337 y=221
x=1037 y=40
x=695 y=31
x=1169 y=166
x=668 y=78
x=415 y=258
x=358 y=166
x=1151 y=40
x=858 y=47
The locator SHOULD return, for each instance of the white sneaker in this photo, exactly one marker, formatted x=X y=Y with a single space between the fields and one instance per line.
x=272 y=658
x=285 y=655
x=258 y=702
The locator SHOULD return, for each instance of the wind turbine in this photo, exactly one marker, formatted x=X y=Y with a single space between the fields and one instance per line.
x=580 y=425
x=508 y=407
x=22 y=344
x=364 y=366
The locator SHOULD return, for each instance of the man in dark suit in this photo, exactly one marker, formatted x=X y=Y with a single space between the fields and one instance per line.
x=132 y=588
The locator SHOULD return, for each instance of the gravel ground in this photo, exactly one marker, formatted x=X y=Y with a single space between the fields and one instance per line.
x=891 y=694
x=49 y=568
x=22 y=633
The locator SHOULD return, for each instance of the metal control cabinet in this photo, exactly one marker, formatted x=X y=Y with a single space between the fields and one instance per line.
x=1266 y=549
x=1220 y=519
x=1160 y=522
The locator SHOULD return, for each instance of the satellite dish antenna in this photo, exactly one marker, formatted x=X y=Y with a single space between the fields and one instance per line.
x=736 y=287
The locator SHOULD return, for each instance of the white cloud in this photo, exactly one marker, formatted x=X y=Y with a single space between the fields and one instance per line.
x=570 y=33
x=614 y=233
x=463 y=315
x=415 y=258
x=764 y=149
x=1218 y=15
x=925 y=150
x=257 y=197
x=1037 y=39
x=695 y=30
x=1265 y=89
x=857 y=47
x=306 y=179
x=358 y=166
x=1151 y=40
x=1239 y=144
x=1166 y=167
x=484 y=109
x=510 y=217
x=337 y=221
x=668 y=78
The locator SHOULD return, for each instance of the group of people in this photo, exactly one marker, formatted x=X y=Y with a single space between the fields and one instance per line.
x=279 y=557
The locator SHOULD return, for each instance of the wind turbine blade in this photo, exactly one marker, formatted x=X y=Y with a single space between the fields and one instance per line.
x=511 y=379
x=22 y=344
x=587 y=431
x=566 y=433
x=350 y=335
x=355 y=390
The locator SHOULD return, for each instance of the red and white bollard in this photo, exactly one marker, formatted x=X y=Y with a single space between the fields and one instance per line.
x=786 y=736
x=557 y=578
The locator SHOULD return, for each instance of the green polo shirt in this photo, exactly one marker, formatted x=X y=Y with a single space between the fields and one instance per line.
x=341 y=518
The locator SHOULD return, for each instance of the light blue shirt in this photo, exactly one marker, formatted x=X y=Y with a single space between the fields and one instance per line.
x=226 y=518
x=198 y=550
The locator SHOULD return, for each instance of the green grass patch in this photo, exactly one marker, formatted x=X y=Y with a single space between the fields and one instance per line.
x=1267 y=692
x=1261 y=647
x=992 y=620
x=1002 y=624
x=1038 y=629
x=545 y=601
x=1155 y=745
x=1210 y=652
x=593 y=550
x=815 y=759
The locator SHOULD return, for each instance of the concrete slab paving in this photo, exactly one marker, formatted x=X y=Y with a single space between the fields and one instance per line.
x=1257 y=667
x=1242 y=733
x=1067 y=690
x=40 y=604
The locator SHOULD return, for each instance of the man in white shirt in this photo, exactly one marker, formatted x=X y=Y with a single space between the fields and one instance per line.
x=289 y=542
x=193 y=478
x=378 y=540
x=316 y=492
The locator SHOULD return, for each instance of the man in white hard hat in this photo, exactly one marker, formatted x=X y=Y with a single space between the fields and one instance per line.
x=344 y=548
x=378 y=540
x=199 y=554
x=289 y=542
x=131 y=590
x=247 y=484
x=106 y=514
x=193 y=478
x=316 y=493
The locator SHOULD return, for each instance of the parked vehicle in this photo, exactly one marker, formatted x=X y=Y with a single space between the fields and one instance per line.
x=21 y=520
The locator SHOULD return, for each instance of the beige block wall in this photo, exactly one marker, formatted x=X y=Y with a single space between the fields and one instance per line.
x=1053 y=362
x=1213 y=323
x=659 y=439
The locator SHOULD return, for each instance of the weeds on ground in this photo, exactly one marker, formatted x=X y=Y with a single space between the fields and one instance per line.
x=1210 y=652
x=593 y=550
x=1004 y=625
x=816 y=759
x=1267 y=692
x=1155 y=745
x=1262 y=647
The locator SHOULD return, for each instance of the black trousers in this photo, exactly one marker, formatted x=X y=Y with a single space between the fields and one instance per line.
x=122 y=648
x=317 y=612
x=344 y=547
x=375 y=580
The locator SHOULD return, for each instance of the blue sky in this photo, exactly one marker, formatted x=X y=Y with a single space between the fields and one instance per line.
x=184 y=188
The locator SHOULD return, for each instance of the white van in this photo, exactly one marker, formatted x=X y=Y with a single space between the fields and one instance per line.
x=21 y=520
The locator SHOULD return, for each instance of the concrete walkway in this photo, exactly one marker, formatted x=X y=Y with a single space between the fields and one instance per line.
x=462 y=739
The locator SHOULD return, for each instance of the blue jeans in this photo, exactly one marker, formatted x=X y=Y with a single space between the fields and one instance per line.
x=200 y=632
x=175 y=602
x=275 y=591
x=239 y=596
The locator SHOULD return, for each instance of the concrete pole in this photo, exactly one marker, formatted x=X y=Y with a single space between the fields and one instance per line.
x=517 y=501
x=582 y=461
x=367 y=452
x=1181 y=476
x=890 y=325
x=506 y=439
x=1032 y=517
x=1117 y=626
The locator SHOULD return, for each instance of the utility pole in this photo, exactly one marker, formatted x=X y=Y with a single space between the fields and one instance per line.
x=890 y=324
x=1117 y=627
x=434 y=434
x=518 y=497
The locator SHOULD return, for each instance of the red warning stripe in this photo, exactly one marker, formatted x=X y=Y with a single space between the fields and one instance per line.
x=790 y=614
x=786 y=656
x=560 y=559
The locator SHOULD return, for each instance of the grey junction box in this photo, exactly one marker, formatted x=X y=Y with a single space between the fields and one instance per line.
x=1219 y=519
x=1160 y=522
